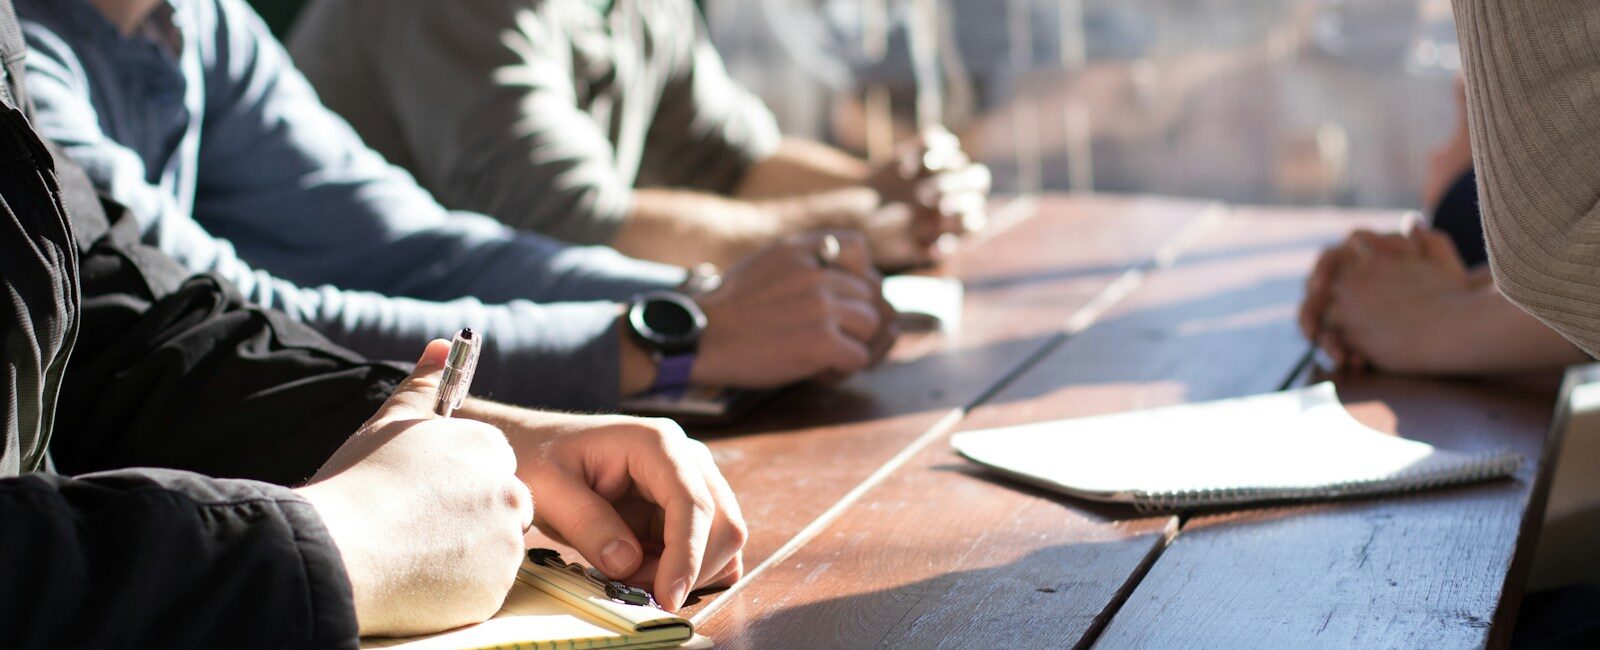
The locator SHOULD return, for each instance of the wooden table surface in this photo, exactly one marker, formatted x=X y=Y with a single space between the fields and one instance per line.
x=868 y=531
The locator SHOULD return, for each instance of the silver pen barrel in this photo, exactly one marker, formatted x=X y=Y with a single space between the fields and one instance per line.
x=458 y=369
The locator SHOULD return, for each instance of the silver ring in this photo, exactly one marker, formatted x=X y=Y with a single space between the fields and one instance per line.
x=828 y=251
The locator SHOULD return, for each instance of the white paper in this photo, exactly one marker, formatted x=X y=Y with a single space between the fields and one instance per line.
x=926 y=303
x=1292 y=444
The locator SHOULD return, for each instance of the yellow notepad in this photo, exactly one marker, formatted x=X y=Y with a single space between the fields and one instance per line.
x=551 y=608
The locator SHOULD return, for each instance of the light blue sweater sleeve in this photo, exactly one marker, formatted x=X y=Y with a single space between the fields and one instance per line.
x=290 y=206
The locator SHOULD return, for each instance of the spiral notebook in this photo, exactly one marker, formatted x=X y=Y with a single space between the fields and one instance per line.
x=1296 y=445
x=560 y=609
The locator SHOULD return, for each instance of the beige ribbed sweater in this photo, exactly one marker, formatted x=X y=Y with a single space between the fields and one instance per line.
x=1533 y=102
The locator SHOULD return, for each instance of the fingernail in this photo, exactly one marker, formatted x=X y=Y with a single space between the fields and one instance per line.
x=1361 y=250
x=680 y=592
x=617 y=557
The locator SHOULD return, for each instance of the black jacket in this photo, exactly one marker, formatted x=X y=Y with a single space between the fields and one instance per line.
x=167 y=371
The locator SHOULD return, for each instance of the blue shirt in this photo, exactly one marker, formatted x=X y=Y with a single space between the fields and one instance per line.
x=200 y=124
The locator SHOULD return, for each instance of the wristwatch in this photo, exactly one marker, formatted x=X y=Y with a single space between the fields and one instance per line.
x=668 y=324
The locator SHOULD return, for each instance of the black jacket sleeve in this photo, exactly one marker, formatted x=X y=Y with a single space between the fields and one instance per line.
x=166 y=559
x=135 y=558
x=177 y=370
x=186 y=376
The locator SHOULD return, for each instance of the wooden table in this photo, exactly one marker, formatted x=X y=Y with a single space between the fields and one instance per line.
x=868 y=531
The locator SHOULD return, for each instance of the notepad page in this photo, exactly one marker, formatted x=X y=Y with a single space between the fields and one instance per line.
x=1287 y=445
x=530 y=619
x=926 y=303
x=540 y=613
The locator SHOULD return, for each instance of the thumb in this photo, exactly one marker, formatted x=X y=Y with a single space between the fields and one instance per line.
x=414 y=398
x=590 y=524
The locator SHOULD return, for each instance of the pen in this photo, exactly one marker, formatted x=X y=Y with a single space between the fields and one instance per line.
x=458 y=369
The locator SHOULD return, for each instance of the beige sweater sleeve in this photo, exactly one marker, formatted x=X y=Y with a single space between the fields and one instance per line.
x=1533 y=96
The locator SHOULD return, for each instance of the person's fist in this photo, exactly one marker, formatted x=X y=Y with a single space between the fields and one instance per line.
x=636 y=497
x=1373 y=298
x=930 y=189
x=789 y=313
x=427 y=512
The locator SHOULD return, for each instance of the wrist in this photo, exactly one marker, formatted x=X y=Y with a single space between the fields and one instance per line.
x=847 y=208
x=1453 y=333
x=636 y=367
x=336 y=515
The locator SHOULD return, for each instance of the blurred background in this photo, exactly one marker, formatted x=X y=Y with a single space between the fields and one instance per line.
x=1289 y=102
x=1252 y=101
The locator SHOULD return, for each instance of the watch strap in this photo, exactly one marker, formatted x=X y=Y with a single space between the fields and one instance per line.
x=672 y=372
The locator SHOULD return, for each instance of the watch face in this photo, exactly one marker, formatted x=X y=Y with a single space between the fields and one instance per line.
x=669 y=322
x=668 y=319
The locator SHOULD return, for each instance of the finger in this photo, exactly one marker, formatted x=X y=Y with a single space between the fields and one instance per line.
x=933 y=149
x=1362 y=248
x=936 y=136
x=1318 y=284
x=881 y=344
x=1438 y=246
x=855 y=256
x=1372 y=243
x=1334 y=346
x=976 y=220
x=857 y=318
x=847 y=286
x=847 y=354
x=588 y=522
x=414 y=397
x=689 y=509
x=953 y=206
x=971 y=179
x=927 y=225
x=728 y=531
x=729 y=574
x=522 y=499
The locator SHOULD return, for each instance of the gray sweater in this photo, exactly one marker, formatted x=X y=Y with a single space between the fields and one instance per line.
x=543 y=113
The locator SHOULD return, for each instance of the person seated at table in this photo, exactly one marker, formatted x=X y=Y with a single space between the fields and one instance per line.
x=613 y=123
x=191 y=114
x=1423 y=302
x=1530 y=67
x=117 y=358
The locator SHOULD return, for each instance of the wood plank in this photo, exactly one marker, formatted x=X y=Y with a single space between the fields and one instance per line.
x=940 y=555
x=1430 y=570
x=811 y=446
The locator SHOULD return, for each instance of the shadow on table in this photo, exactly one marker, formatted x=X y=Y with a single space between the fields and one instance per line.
x=1049 y=598
x=1009 y=280
x=1209 y=335
x=1110 y=512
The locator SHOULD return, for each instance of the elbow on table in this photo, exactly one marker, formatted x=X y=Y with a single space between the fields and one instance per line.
x=1568 y=303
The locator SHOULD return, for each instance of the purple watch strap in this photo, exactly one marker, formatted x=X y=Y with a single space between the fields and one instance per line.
x=672 y=374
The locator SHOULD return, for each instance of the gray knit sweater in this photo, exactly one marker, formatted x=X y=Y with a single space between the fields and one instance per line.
x=1533 y=102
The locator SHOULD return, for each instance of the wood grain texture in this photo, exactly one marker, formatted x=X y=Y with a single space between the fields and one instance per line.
x=941 y=555
x=805 y=450
x=1429 y=570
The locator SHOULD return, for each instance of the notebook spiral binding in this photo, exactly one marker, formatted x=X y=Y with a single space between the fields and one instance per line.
x=1487 y=465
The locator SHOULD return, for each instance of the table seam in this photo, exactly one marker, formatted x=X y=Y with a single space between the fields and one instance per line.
x=1164 y=257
